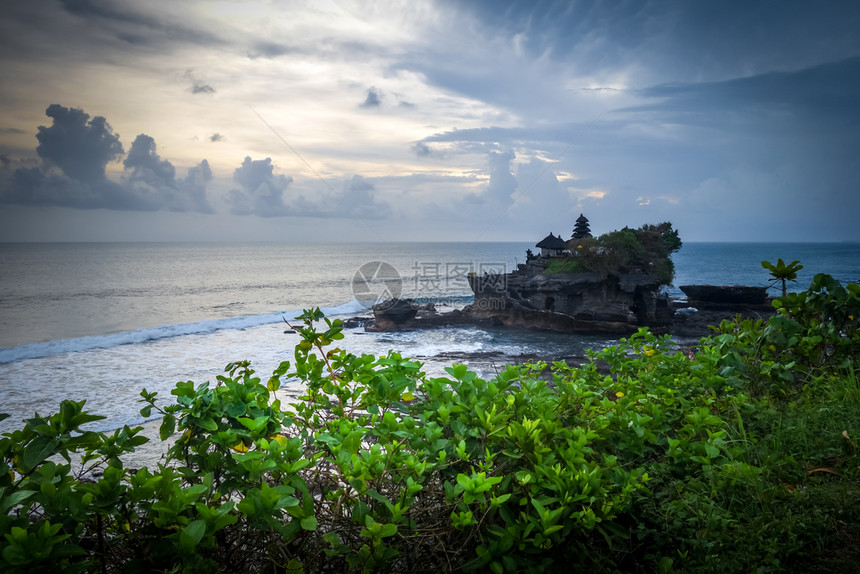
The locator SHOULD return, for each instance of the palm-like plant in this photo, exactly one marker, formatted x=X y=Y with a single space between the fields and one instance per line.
x=781 y=273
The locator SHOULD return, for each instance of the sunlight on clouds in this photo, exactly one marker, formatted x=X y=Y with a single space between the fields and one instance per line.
x=586 y=193
x=426 y=100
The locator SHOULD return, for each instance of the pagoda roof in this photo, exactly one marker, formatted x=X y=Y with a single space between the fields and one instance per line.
x=581 y=219
x=552 y=242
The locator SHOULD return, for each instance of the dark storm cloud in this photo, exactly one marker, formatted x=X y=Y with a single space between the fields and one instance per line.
x=711 y=38
x=261 y=193
x=136 y=27
x=831 y=89
x=75 y=151
x=78 y=145
x=816 y=102
x=147 y=175
x=372 y=100
x=635 y=44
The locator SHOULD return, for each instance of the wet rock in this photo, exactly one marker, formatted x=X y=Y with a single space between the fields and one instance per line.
x=725 y=294
x=393 y=314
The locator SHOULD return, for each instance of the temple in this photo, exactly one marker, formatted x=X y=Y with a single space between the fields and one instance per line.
x=552 y=246
x=581 y=230
x=560 y=290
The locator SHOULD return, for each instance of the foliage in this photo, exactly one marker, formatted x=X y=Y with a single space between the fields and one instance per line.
x=564 y=265
x=739 y=455
x=645 y=250
x=781 y=273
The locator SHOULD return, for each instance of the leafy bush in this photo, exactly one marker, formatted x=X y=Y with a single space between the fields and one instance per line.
x=646 y=250
x=648 y=458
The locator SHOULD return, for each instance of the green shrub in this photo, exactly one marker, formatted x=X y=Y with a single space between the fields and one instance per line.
x=644 y=250
x=738 y=456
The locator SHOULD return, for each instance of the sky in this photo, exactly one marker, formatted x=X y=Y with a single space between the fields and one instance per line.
x=439 y=120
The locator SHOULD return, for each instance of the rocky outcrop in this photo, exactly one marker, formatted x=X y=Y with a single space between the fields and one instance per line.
x=393 y=314
x=531 y=298
x=705 y=295
x=570 y=302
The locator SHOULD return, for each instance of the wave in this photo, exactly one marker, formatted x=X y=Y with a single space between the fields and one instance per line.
x=139 y=336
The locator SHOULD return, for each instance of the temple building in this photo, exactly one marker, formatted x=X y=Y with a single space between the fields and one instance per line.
x=581 y=229
x=552 y=245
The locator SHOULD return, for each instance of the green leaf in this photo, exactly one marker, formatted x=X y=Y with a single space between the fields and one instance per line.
x=37 y=451
x=352 y=442
x=168 y=426
x=256 y=424
x=207 y=424
x=8 y=502
x=192 y=534
x=309 y=523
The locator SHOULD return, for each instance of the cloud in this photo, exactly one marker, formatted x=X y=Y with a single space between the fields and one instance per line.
x=827 y=87
x=11 y=131
x=138 y=28
x=502 y=183
x=80 y=146
x=262 y=192
x=202 y=89
x=216 y=137
x=75 y=151
x=269 y=50
x=421 y=149
x=198 y=87
x=372 y=100
x=358 y=198
x=147 y=175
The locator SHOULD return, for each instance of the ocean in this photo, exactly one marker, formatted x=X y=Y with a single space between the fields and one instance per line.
x=101 y=321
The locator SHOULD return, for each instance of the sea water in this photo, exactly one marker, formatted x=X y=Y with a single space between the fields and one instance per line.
x=100 y=322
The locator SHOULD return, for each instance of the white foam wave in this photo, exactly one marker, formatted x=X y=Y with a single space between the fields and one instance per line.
x=352 y=308
x=50 y=348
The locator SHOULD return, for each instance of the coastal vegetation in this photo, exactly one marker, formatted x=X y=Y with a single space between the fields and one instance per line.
x=740 y=453
x=647 y=249
x=781 y=273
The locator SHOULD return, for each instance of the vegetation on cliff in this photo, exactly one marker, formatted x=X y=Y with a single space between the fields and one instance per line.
x=739 y=455
x=644 y=250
